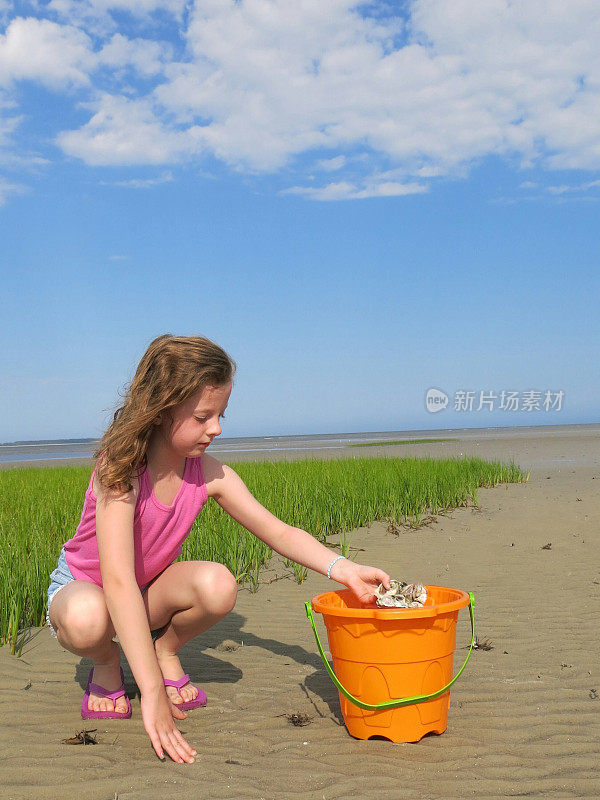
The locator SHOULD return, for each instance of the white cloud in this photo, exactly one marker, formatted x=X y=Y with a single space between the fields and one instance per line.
x=60 y=56
x=271 y=80
x=144 y=183
x=6 y=6
x=429 y=172
x=8 y=119
x=538 y=63
x=98 y=15
x=135 y=7
x=569 y=188
x=331 y=164
x=8 y=189
x=263 y=83
x=124 y=131
x=558 y=189
x=343 y=190
x=40 y=50
x=146 y=57
x=9 y=156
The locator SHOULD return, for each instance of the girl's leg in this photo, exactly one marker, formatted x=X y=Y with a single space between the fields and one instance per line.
x=189 y=597
x=83 y=626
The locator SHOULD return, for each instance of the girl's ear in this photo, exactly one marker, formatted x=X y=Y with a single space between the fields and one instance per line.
x=158 y=420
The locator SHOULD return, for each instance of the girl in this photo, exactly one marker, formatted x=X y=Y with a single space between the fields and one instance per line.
x=119 y=575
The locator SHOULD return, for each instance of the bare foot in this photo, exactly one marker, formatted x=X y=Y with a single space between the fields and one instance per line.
x=108 y=676
x=171 y=669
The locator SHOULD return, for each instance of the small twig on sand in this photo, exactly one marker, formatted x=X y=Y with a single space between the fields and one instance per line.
x=299 y=720
x=82 y=737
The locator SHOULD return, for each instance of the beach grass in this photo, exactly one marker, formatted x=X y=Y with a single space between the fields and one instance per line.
x=40 y=509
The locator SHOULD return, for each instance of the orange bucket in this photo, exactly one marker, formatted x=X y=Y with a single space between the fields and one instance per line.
x=393 y=667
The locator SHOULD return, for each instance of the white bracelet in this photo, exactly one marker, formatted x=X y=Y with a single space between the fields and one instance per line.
x=335 y=560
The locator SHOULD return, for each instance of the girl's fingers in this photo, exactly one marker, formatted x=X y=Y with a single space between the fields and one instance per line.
x=179 y=739
x=174 y=745
x=154 y=738
x=172 y=753
x=169 y=748
x=384 y=578
x=381 y=577
x=179 y=748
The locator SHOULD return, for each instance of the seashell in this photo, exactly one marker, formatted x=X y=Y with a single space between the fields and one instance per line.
x=401 y=595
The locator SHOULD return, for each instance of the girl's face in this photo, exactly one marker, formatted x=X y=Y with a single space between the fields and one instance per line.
x=196 y=421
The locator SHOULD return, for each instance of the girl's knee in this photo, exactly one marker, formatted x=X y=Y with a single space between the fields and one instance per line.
x=85 y=621
x=217 y=588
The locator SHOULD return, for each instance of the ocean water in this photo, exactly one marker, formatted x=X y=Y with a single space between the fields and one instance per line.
x=49 y=450
x=84 y=448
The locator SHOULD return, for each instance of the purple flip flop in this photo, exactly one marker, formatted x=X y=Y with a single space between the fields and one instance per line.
x=199 y=700
x=93 y=687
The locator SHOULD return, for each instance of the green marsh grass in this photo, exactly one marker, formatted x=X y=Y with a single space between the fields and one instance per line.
x=41 y=508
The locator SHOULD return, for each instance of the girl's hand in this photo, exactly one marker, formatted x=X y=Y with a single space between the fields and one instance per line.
x=362 y=581
x=157 y=716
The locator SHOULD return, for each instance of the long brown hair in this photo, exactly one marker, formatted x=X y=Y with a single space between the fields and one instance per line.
x=172 y=370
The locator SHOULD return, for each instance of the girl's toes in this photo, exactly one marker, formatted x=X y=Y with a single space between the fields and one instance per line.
x=190 y=692
x=185 y=694
x=174 y=696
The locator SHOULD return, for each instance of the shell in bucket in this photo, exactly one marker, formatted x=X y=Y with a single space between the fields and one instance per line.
x=382 y=654
x=401 y=595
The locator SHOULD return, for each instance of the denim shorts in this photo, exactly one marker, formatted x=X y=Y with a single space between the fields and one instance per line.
x=62 y=576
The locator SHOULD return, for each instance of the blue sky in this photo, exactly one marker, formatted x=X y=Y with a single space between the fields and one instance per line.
x=358 y=203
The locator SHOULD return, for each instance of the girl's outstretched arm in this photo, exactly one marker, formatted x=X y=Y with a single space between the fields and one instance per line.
x=232 y=494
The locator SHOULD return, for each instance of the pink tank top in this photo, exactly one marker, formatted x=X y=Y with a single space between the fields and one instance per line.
x=158 y=530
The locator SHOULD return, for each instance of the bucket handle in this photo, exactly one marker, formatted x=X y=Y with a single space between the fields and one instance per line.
x=405 y=701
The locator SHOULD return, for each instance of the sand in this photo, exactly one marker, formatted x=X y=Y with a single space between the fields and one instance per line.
x=524 y=716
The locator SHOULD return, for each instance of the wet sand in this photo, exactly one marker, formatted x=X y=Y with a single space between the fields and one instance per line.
x=523 y=718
